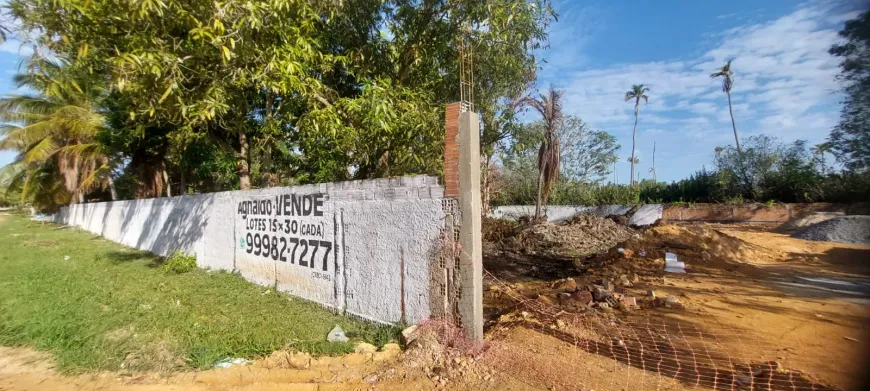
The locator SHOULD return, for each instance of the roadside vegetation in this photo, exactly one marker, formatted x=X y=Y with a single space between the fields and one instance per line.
x=97 y=305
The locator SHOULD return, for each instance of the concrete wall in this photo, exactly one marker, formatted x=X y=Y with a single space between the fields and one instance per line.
x=365 y=247
x=645 y=215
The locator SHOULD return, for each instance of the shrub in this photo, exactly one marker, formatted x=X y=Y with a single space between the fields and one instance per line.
x=179 y=263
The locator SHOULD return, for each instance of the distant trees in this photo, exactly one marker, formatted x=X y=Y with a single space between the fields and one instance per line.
x=637 y=92
x=850 y=139
x=586 y=158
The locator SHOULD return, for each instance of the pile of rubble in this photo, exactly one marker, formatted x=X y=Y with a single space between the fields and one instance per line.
x=579 y=236
x=605 y=295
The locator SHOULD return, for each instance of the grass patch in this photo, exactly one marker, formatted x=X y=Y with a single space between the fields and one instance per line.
x=97 y=305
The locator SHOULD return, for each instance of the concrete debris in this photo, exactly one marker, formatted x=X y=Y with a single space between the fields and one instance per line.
x=337 y=335
x=601 y=294
x=629 y=301
x=583 y=297
x=409 y=334
x=673 y=302
x=672 y=265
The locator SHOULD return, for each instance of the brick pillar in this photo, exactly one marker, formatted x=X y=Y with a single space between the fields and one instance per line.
x=451 y=151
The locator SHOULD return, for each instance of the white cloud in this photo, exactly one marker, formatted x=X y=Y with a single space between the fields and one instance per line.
x=784 y=86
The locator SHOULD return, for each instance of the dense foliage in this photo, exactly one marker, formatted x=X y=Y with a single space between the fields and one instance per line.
x=779 y=172
x=200 y=95
x=850 y=139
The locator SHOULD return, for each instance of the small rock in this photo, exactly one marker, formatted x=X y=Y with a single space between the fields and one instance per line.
x=560 y=323
x=565 y=297
x=336 y=335
x=583 y=297
x=371 y=379
x=568 y=285
x=634 y=278
x=609 y=286
x=409 y=334
x=673 y=302
x=601 y=294
x=624 y=281
x=627 y=253
x=543 y=299
x=364 y=347
x=487 y=378
x=705 y=255
x=651 y=293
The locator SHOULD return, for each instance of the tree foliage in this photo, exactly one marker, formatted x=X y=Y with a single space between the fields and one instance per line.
x=284 y=91
x=850 y=139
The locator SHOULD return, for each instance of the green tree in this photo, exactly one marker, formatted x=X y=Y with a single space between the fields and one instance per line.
x=55 y=133
x=549 y=106
x=850 y=139
x=587 y=154
x=637 y=92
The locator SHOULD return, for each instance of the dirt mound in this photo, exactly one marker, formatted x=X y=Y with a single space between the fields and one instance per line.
x=700 y=246
x=581 y=235
x=808 y=220
x=844 y=229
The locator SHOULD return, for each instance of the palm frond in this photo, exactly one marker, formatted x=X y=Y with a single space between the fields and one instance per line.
x=96 y=179
x=39 y=152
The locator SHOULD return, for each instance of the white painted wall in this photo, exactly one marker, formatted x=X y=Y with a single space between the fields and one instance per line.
x=377 y=230
x=646 y=215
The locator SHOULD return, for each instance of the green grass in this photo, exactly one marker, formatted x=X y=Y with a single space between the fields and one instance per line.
x=110 y=307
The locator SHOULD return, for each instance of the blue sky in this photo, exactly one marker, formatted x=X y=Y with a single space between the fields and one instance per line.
x=784 y=78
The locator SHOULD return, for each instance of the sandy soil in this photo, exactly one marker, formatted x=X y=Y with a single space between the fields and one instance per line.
x=25 y=369
x=764 y=297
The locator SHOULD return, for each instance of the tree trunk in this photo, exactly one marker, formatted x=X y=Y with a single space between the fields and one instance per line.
x=540 y=192
x=654 y=163
x=633 y=141
x=166 y=181
x=244 y=163
x=111 y=182
x=741 y=166
x=733 y=125
x=486 y=192
x=183 y=183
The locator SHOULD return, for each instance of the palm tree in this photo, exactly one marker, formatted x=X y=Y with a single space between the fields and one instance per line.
x=725 y=73
x=54 y=133
x=819 y=151
x=637 y=92
x=549 y=105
